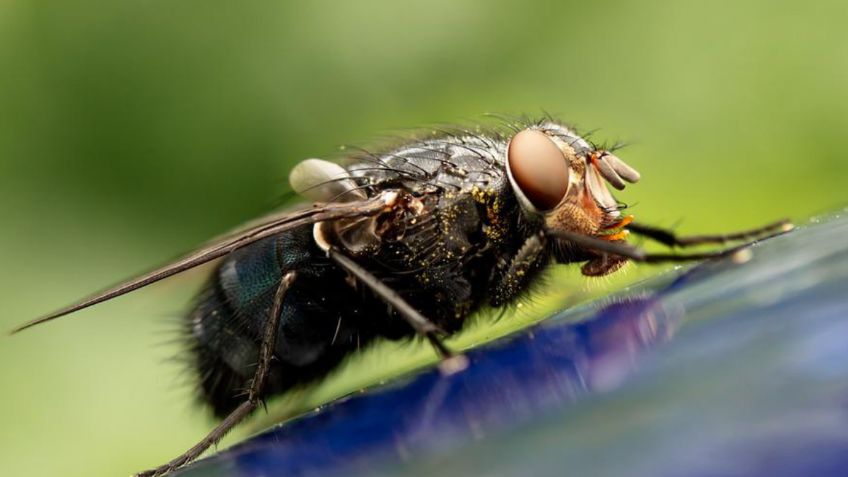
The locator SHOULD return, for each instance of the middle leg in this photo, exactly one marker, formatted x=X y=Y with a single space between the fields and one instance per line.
x=416 y=320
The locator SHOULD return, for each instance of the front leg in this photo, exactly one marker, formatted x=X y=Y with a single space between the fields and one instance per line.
x=629 y=252
x=615 y=253
x=670 y=239
x=523 y=267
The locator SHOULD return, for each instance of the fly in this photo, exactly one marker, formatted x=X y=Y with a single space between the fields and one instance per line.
x=407 y=242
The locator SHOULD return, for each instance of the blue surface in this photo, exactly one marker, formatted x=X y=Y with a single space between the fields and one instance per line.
x=723 y=369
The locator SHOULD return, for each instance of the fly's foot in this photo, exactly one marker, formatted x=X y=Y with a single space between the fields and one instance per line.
x=743 y=255
x=164 y=469
x=453 y=364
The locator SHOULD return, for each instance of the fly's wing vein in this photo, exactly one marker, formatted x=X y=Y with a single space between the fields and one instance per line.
x=272 y=225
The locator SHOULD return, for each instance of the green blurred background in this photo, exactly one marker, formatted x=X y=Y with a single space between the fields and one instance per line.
x=132 y=131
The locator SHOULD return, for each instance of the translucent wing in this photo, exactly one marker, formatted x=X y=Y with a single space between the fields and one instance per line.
x=258 y=230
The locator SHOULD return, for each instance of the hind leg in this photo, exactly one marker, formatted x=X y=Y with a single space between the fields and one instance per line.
x=254 y=395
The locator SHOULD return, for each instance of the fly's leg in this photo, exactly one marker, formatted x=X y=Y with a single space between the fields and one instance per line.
x=668 y=238
x=623 y=250
x=424 y=327
x=254 y=394
x=523 y=267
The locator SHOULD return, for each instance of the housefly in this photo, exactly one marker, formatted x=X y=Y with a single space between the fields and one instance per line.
x=408 y=241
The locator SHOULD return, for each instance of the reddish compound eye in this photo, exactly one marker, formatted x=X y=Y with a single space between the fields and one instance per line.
x=538 y=169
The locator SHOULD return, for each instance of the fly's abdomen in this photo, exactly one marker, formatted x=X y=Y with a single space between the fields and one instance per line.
x=320 y=320
x=218 y=352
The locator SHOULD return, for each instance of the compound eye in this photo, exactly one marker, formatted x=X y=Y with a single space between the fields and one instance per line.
x=537 y=169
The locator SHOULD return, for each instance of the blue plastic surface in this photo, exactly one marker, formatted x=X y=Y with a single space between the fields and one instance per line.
x=723 y=369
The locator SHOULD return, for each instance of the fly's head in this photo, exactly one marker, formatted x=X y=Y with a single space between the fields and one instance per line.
x=561 y=178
